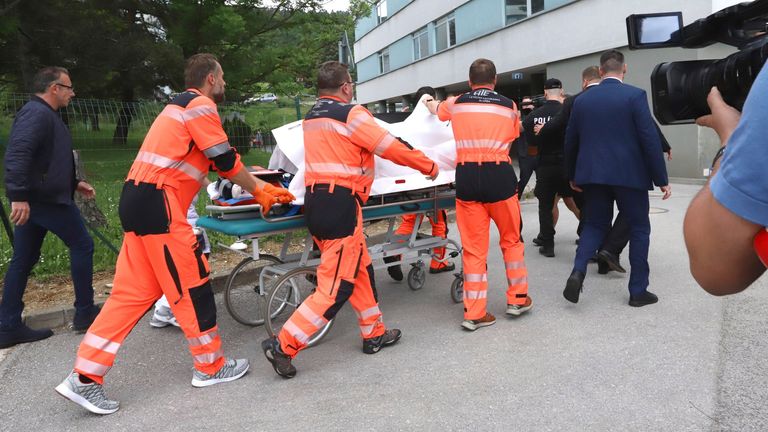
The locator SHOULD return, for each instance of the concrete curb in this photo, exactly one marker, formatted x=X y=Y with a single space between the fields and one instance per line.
x=60 y=318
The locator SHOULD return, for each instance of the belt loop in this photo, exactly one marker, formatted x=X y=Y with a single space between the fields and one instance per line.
x=312 y=187
x=333 y=186
x=160 y=181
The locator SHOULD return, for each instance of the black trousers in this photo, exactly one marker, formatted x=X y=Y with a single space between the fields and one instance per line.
x=527 y=166
x=618 y=236
x=550 y=181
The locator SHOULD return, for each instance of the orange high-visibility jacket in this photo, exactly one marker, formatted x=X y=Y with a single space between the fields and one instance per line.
x=484 y=124
x=181 y=145
x=340 y=141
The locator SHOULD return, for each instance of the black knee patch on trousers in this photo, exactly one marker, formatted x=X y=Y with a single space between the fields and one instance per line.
x=345 y=291
x=205 y=306
x=373 y=282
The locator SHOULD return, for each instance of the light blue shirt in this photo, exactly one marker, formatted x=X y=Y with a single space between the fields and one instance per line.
x=741 y=184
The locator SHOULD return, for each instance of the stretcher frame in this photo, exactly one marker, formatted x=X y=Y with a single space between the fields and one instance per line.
x=248 y=224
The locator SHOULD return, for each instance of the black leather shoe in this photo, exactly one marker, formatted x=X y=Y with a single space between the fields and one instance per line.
x=574 y=286
x=602 y=267
x=395 y=272
x=611 y=260
x=643 y=299
x=537 y=241
x=82 y=321
x=547 y=251
x=22 y=334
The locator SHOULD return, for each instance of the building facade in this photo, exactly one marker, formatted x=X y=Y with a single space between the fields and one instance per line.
x=405 y=44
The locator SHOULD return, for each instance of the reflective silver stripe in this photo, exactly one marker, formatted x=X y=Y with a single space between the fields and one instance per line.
x=384 y=144
x=356 y=122
x=371 y=311
x=296 y=332
x=484 y=109
x=164 y=162
x=327 y=125
x=100 y=343
x=337 y=169
x=217 y=150
x=173 y=112
x=515 y=265
x=475 y=277
x=517 y=281
x=91 y=368
x=208 y=357
x=203 y=340
x=474 y=295
x=203 y=110
x=366 y=330
x=480 y=143
x=311 y=316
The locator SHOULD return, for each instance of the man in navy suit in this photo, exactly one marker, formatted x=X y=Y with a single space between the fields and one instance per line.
x=612 y=154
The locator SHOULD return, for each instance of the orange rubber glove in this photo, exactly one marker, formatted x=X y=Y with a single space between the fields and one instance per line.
x=264 y=199
x=282 y=195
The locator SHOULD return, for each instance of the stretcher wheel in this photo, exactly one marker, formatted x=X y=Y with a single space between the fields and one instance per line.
x=457 y=290
x=243 y=296
x=289 y=291
x=417 y=276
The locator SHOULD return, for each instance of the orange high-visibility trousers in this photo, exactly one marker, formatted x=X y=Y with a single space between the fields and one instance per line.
x=149 y=266
x=345 y=273
x=439 y=229
x=473 y=219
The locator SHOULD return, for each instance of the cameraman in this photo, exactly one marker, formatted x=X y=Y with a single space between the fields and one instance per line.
x=727 y=214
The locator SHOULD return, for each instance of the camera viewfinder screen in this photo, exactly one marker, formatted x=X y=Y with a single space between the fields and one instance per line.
x=658 y=29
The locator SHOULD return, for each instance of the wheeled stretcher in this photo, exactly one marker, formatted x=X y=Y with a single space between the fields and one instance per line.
x=266 y=289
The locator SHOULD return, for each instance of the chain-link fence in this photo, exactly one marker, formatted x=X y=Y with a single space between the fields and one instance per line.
x=108 y=133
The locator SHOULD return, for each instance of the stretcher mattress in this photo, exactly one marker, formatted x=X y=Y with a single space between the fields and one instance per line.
x=257 y=226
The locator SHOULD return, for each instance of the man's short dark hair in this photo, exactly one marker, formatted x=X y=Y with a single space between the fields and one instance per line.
x=425 y=90
x=612 y=61
x=45 y=76
x=197 y=69
x=591 y=73
x=331 y=76
x=482 y=71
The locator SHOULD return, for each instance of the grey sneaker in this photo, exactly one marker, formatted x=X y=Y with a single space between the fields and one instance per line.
x=232 y=370
x=89 y=396
x=163 y=317
x=518 y=310
x=373 y=345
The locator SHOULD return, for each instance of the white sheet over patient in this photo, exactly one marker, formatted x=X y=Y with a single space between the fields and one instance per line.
x=421 y=130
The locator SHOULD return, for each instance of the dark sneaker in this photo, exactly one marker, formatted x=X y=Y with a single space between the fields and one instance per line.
x=389 y=337
x=442 y=267
x=22 y=334
x=82 y=321
x=395 y=272
x=280 y=362
x=518 y=310
x=89 y=396
x=232 y=370
x=485 y=321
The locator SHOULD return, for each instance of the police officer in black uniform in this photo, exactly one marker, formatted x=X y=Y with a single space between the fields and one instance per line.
x=550 y=173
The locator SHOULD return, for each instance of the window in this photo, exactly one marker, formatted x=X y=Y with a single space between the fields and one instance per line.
x=445 y=32
x=537 y=6
x=515 y=10
x=381 y=11
x=384 y=61
x=420 y=44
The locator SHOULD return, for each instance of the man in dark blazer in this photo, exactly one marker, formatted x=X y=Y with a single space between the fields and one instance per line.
x=612 y=154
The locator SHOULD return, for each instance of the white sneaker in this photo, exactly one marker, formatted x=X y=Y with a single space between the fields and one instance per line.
x=89 y=396
x=163 y=317
x=232 y=370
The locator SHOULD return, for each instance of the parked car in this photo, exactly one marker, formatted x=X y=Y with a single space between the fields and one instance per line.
x=268 y=97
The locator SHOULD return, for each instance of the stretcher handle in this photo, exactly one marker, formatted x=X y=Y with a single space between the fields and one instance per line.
x=278 y=219
x=410 y=207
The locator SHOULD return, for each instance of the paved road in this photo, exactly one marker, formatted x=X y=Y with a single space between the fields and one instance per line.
x=690 y=363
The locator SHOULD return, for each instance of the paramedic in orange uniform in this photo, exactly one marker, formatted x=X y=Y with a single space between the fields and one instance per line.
x=159 y=253
x=484 y=124
x=340 y=141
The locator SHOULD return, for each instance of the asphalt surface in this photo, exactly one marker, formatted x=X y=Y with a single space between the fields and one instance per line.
x=692 y=362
